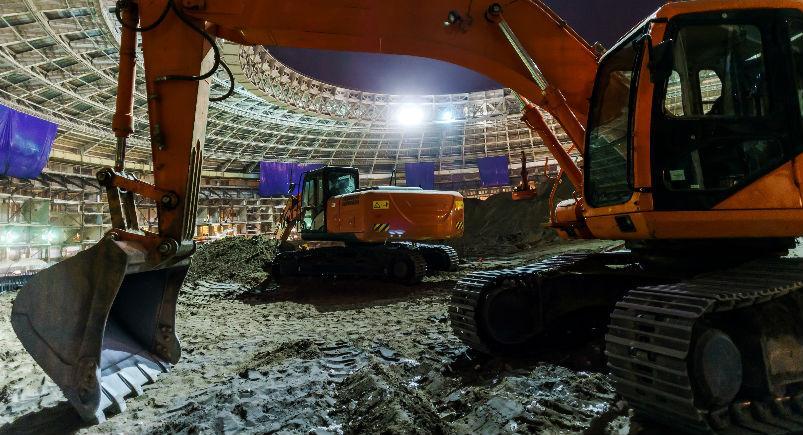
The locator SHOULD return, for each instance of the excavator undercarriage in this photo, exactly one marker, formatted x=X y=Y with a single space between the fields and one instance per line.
x=401 y=262
x=713 y=351
x=721 y=352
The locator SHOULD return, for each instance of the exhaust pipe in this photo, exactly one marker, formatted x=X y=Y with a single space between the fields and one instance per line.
x=101 y=324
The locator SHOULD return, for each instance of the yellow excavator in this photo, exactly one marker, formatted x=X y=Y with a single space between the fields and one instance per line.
x=691 y=135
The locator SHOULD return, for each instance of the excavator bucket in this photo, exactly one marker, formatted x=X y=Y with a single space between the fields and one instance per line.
x=101 y=324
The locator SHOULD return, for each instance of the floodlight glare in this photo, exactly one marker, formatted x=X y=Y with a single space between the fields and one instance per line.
x=48 y=236
x=410 y=115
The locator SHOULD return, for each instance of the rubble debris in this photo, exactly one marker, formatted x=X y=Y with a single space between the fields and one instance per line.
x=304 y=349
x=377 y=400
x=547 y=397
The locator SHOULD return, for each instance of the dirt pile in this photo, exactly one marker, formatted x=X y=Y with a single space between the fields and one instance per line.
x=499 y=225
x=240 y=260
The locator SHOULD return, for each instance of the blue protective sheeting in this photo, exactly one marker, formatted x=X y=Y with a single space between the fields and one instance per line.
x=420 y=175
x=275 y=177
x=25 y=143
x=494 y=171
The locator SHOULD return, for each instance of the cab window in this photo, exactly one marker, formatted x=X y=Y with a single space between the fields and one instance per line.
x=719 y=72
x=795 y=28
x=608 y=137
x=341 y=183
x=313 y=203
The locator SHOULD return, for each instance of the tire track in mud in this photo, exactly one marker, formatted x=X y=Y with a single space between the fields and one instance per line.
x=339 y=358
x=291 y=388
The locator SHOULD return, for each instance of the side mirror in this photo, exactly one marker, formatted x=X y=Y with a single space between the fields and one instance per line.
x=662 y=59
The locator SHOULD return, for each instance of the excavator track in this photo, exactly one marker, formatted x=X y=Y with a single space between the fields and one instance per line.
x=392 y=262
x=505 y=311
x=662 y=338
x=440 y=258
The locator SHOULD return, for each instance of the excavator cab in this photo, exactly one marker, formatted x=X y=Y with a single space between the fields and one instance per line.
x=695 y=116
x=320 y=185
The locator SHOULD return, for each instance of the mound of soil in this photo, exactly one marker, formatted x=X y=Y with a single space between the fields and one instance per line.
x=499 y=225
x=241 y=260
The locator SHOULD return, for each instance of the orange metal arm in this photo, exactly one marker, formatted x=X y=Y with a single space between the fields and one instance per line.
x=418 y=28
x=467 y=36
x=123 y=121
x=533 y=118
x=290 y=216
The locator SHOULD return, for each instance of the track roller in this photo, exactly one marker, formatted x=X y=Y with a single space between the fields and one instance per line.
x=407 y=267
x=720 y=353
x=440 y=258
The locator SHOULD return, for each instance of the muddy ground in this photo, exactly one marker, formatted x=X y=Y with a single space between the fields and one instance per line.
x=342 y=357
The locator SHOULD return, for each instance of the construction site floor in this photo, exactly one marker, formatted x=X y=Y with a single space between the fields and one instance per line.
x=336 y=357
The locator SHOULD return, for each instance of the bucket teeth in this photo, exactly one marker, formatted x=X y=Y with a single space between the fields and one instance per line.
x=101 y=325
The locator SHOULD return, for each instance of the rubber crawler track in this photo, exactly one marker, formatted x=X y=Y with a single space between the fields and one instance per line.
x=439 y=257
x=372 y=261
x=649 y=345
x=469 y=291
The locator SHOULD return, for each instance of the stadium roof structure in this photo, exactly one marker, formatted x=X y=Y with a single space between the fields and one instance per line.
x=58 y=60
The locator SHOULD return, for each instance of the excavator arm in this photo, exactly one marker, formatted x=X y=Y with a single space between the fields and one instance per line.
x=522 y=45
x=101 y=324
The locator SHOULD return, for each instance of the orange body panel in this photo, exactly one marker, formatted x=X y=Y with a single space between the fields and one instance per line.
x=375 y=216
x=701 y=224
x=776 y=190
x=768 y=207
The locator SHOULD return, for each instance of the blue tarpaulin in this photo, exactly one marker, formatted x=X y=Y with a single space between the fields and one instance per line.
x=420 y=175
x=25 y=143
x=494 y=171
x=275 y=177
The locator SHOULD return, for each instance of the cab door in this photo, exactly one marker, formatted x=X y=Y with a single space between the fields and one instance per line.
x=721 y=120
x=313 y=203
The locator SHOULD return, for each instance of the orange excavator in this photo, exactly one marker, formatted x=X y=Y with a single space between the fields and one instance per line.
x=378 y=231
x=691 y=135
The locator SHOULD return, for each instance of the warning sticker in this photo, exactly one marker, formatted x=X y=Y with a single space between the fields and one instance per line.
x=381 y=205
x=677 y=175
